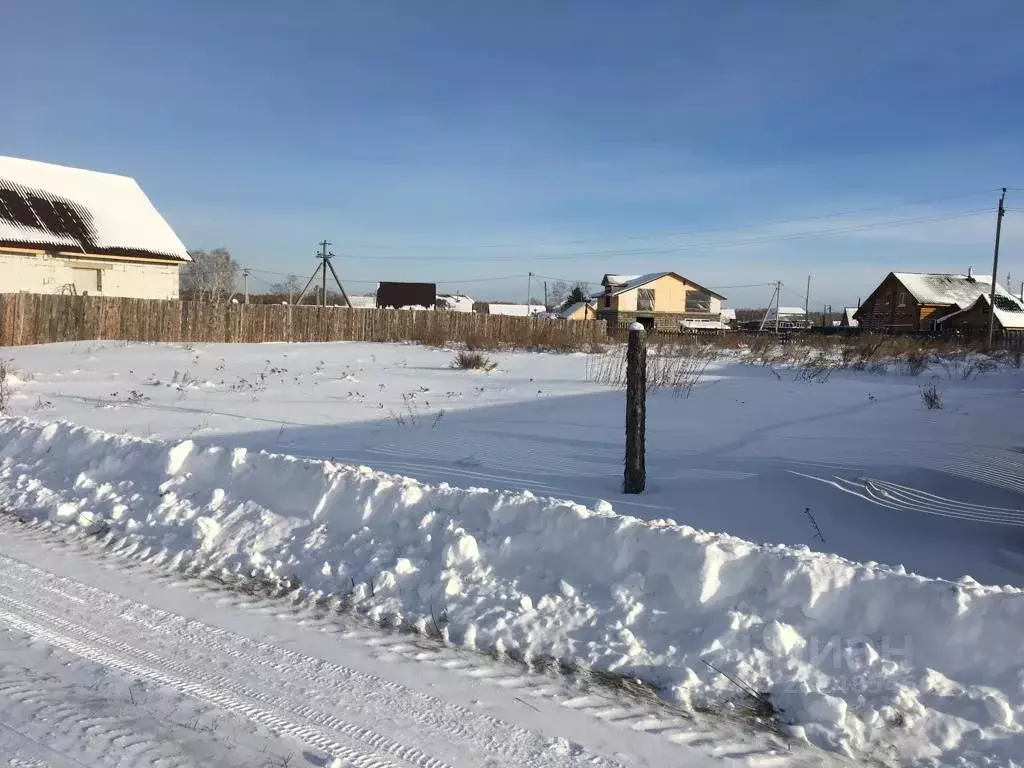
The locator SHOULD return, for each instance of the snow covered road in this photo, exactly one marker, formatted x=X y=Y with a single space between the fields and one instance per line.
x=108 y=661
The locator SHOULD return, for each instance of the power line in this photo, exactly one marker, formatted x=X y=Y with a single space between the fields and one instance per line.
x=678 y=233
x=689 y=246
x=737 y=287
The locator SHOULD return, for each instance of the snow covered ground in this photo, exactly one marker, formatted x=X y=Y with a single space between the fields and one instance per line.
x=864 y=659
x=885 y=479
x=155 y=670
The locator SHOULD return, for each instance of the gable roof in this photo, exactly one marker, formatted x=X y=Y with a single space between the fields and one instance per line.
x=573 y=309
x=641 y=280
x=947 y=289
x=786 y=312
x=618 y=279
x=1009 y=310
x=71 y=209
x=848 y=317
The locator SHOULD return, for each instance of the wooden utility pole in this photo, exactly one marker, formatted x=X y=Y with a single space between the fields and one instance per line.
x=245 y=284
x=529 y=290
x=778 y=300
x=635 y=479
x=807 y=303
x=323 y=284
x=768 y=311
x=1000 y=213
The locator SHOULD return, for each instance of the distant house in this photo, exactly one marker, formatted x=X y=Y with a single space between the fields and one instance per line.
x=455 y=303
x=406 y=295
x=788 y=317
x=659 y=300
x=581 y=310
x=974 y=318
x=75 y=231
x=914 y=301
x=515 y=310
x=363 y=302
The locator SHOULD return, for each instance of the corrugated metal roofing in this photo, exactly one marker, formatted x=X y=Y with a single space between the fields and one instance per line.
x=72 y=209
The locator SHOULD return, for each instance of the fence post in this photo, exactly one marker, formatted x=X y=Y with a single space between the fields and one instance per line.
x=636 y=410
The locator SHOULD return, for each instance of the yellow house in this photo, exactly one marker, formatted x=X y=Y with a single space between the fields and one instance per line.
x=581 y=310
x=659 y=300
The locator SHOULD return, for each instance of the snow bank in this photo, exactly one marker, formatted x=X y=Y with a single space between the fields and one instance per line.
x=862 y=659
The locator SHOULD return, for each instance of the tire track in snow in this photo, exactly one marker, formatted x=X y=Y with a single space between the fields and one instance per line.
x=613 y=709
x=300 y=722
x=723 y=740
x=907 y=499
x=480 y=731
x=92 y=736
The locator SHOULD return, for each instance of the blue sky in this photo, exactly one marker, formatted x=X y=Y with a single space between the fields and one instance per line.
x=474 y=141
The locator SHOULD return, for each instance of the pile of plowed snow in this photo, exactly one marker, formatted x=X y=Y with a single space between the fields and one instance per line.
x=860 y=658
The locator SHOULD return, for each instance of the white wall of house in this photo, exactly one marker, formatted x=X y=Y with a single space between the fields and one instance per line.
x=43 y=273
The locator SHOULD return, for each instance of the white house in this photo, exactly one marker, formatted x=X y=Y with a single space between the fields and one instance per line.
x=516 y=310
x=788 y=317
x=454 y=302
x=74 y=231
x=363 y=302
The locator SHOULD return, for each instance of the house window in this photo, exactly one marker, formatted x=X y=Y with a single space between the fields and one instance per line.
x=645 y=300
x=87 y=281
x=901 y=299
x=698 y=301
x=607 y=301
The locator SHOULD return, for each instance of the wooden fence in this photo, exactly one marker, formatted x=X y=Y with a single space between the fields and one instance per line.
x=43 y=319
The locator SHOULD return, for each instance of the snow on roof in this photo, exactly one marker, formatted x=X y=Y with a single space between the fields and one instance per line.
x=628 y=283
x=363 y=302
x=716 y=325
x=848 y=317
x=573 y=309
x=45 y=205
x=637 y=281
x=517 y=310
x=728 y=313
x=1009 y=310
x=786 y=312
x=947 y=289
x=456 y=303
x=619 y=279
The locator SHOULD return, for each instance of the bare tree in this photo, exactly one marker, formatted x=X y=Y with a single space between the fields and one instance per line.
x=557 y=294
x=210 y=276
x=289 y=285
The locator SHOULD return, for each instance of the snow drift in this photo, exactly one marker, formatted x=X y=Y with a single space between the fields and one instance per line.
x=861 y=658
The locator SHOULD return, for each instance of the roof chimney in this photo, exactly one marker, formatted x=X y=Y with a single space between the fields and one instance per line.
x=970 y=273
x=1022 y=291
x=858 y=298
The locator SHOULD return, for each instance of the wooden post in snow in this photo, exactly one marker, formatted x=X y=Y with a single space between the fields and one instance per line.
x=636 y=409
